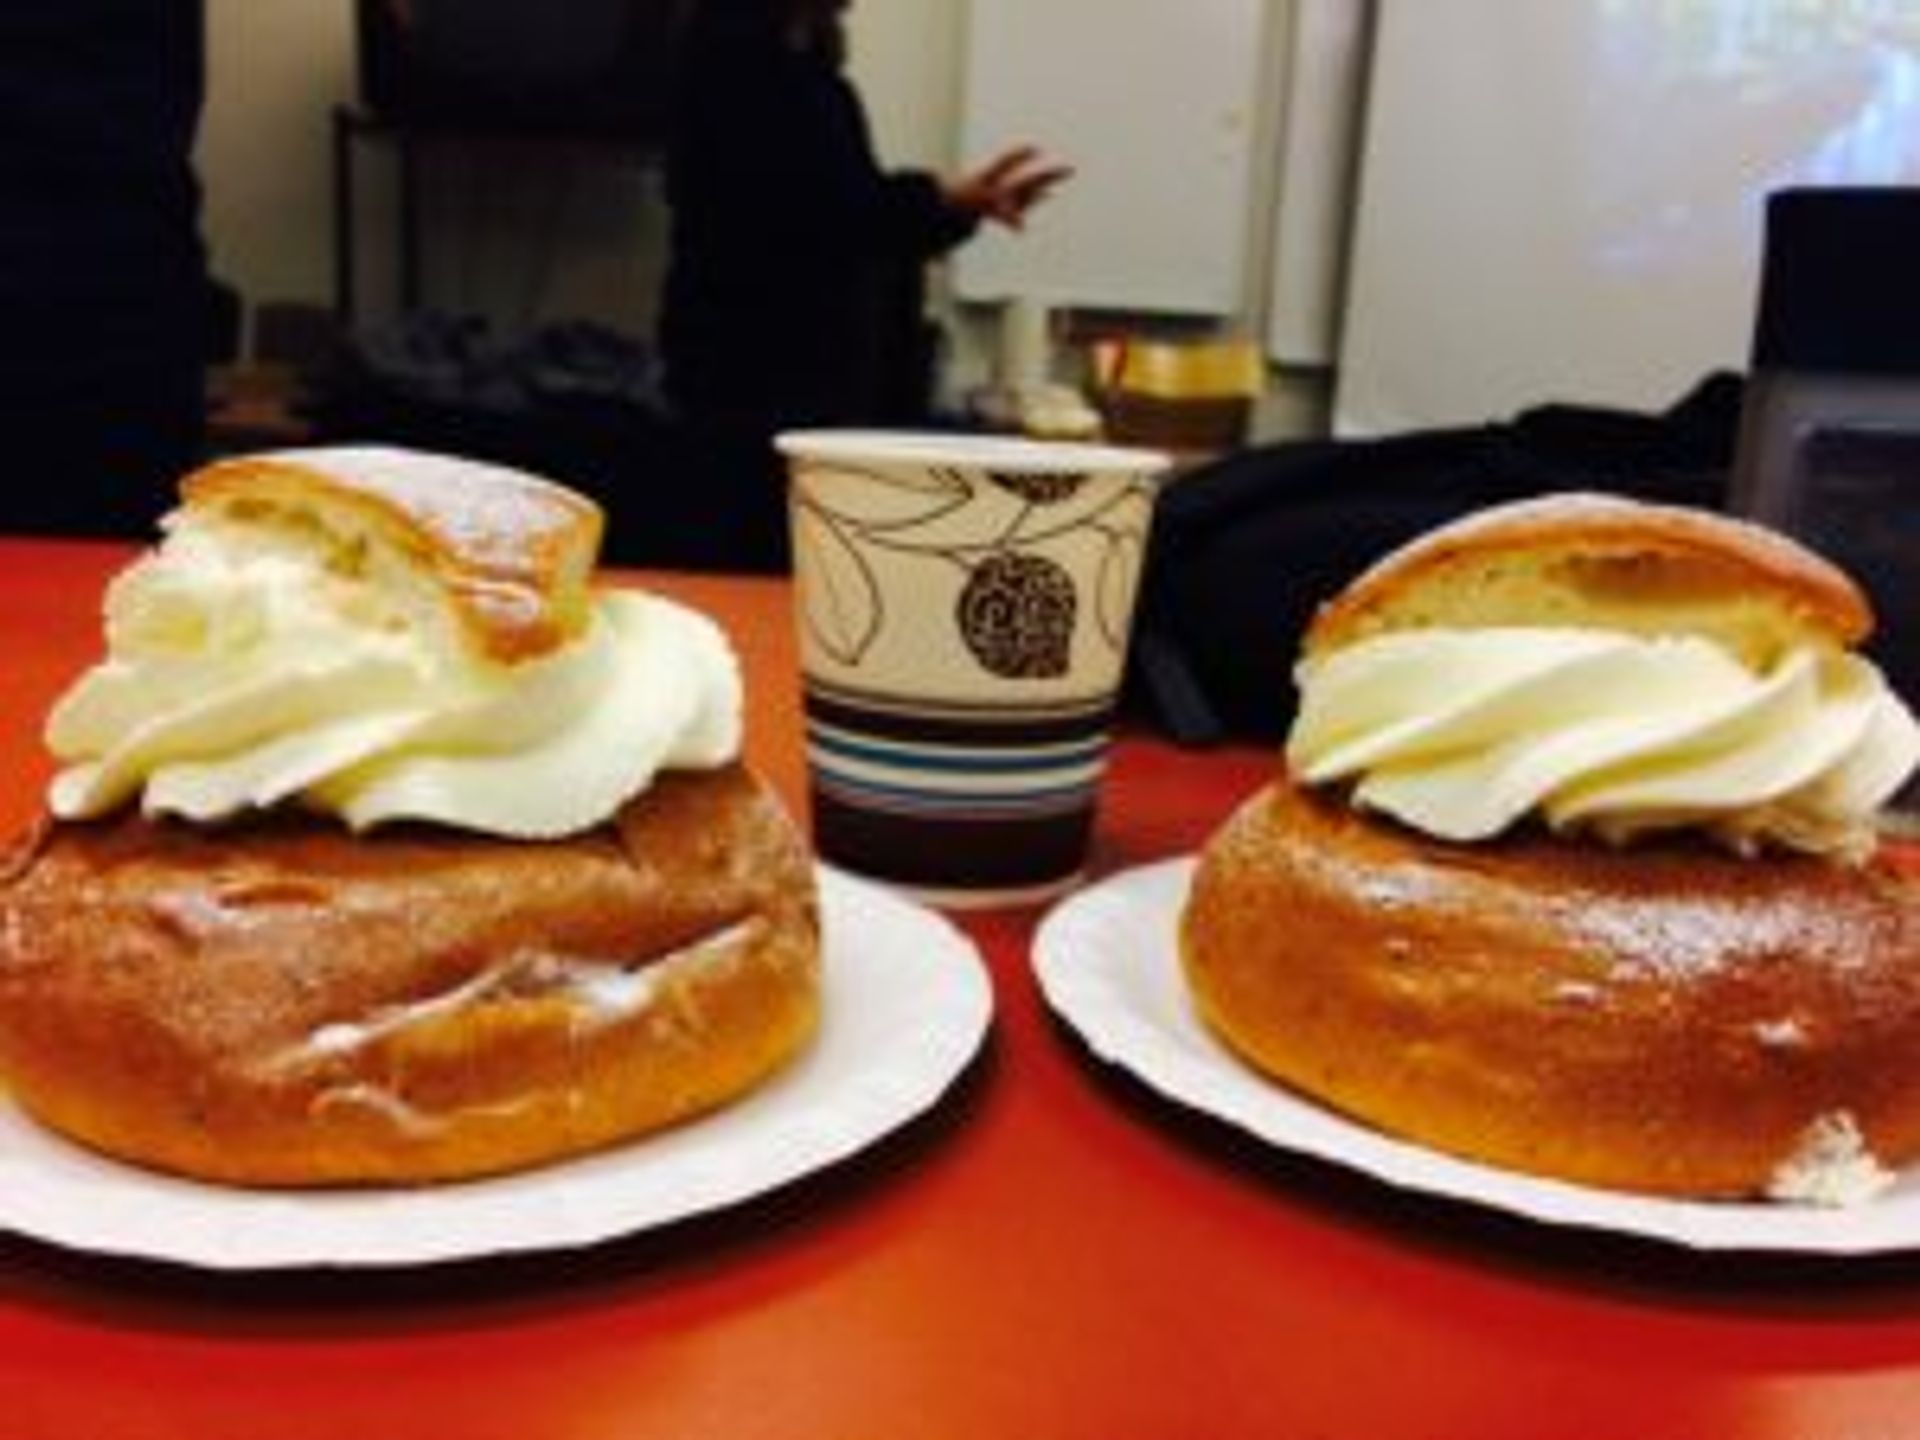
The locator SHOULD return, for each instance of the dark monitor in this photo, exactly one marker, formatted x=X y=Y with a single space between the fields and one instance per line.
x=581 y=67
x=1855 y=498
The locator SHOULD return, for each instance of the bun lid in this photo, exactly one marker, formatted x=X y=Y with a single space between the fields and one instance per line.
x=511 y=554
x=1604 y=562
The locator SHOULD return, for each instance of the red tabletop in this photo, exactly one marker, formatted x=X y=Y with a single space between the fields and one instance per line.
x=1053 y=1252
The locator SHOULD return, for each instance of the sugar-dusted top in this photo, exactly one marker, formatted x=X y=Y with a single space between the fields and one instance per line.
x=484 y=510
x=1604 y=560
x=383 y=636
x=513 y=551
x=1612 y=667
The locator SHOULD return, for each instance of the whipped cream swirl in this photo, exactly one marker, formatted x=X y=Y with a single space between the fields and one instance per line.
x=1463 y=733
x=248 y=667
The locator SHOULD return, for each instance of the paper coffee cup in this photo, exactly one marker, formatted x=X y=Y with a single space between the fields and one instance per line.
x=964 y=606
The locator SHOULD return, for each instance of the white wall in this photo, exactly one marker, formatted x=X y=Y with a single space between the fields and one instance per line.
x=1566 y=202
x=906 y=62
x=274 y=70
x=565 y=236
x=523 y=242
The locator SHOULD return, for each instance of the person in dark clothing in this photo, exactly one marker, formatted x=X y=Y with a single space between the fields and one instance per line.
x=795 y=287
x=103 y=283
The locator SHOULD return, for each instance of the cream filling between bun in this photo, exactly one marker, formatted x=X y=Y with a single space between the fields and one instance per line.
x=599 y=993
x=1463 y=734
x=1831 y=1166
x=250 y=665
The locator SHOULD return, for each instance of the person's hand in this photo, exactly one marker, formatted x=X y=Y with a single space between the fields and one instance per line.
x=1007 y=186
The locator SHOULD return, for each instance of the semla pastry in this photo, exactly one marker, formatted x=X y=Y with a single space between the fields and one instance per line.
x=387 y=848
x=1573 y=868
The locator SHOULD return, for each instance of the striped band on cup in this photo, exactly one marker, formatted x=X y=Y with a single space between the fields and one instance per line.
x=954 y=798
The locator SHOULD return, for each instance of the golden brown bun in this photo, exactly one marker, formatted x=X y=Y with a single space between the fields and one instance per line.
x=511 y=553
x=1669 y=1020
x=1603 y=562
x=1666 y=1018
x=281 y=1003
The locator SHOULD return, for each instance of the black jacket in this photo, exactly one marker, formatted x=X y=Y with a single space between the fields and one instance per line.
x=795 y=289
x=102 y=273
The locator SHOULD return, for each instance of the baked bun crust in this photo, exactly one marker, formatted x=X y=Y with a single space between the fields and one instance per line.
x=277 y=1002
x=511 y=554
x=1668 y=1017
x=1602 y=562
x=1671 y=1020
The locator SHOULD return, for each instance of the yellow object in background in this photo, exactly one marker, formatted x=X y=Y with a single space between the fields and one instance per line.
x=1179 y=369
x=1186 y=395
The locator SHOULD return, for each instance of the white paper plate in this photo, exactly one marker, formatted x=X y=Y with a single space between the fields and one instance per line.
x=1108 y=964
x=905 y=1005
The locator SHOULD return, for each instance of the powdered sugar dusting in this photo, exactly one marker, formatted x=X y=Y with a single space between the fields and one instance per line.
x=1672 y=939
x=1584 y=507
x=1389 y=890
x=1781 y=1034
x=1831 y=1165
x=488 y=512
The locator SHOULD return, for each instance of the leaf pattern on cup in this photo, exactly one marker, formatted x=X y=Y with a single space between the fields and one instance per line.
x=1038 y=487
x=1016 y=615
x=1018 y=608
x=1117 y=582
x=842 y=606
x=892 y=499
